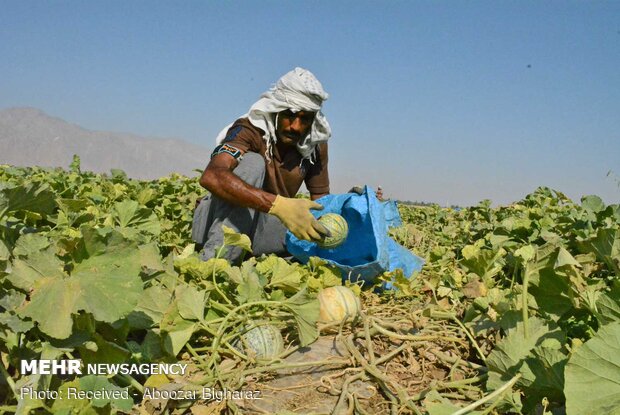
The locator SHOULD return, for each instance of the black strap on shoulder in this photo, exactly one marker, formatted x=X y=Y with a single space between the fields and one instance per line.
x=226 y=148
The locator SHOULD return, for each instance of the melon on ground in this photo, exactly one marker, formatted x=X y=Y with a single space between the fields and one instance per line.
x=263 y=341
x=338 y=303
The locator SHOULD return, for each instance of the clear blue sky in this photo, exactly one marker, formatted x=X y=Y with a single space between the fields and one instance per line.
x=444 y=101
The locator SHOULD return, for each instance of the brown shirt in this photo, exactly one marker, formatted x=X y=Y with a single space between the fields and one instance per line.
x=284 y=174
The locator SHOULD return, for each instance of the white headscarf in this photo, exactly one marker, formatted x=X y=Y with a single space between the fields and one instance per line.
x=298 y=90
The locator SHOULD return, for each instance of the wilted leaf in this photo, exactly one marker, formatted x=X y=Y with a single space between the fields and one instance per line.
x=306 y=312
x=474 y=289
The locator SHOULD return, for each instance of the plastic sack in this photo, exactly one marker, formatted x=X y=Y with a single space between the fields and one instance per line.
x=368 y=250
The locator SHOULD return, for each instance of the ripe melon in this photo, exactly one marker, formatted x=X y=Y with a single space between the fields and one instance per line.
x=338 y=228
x=264 y=342
x=338 y=303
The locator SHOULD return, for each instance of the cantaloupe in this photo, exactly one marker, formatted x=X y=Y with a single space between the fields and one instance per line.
x=263 y=341
x=338 y=303
x=338 y=228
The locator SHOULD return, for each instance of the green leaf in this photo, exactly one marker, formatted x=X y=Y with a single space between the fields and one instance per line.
x=150 y=258
x=37 y=265
x=73 y=205
x=511 y=351
x=101 y=383
x=30 y=243
x=593 y=203
x=232 y=238
x=74 y=167
x=545 y=258
x=564 y=258
x=105 y=352
x=543 y=374
x=129 y=215
x=250 y=289
x=70 y=405
x=191 y=302
x=151 y=347
x=201 y=270
x=109 y=277
x=606 y=246
x=53 y=302
x=34 y=197
x=176 y=331
x=108 y=290
x=306 y=313
x=151 y=308
x=118 y=175
x=105 y=283
x=11 y=299
x=593 y=375
x=484 y=262
x=526 y=252
x=4 y=252
x=14 y=323
x=552 y=292
x=283 y=274
x=436 y=404
x=608 y=305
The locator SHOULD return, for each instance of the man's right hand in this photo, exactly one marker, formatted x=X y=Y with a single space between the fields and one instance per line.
x=295 y=215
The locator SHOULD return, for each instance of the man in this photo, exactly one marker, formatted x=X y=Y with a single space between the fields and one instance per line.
x=259 y=165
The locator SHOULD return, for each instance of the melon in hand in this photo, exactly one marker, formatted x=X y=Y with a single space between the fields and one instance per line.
x=338 y=229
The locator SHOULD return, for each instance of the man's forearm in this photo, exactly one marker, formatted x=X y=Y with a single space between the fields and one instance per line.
x=229 y=187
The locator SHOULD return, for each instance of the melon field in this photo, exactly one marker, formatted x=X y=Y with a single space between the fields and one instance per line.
x=516 y=310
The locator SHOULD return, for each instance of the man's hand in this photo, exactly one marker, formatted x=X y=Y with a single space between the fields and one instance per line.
x=295 y=215
x=360 y=190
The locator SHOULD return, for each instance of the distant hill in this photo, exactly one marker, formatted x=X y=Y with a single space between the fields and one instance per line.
x=29 y=137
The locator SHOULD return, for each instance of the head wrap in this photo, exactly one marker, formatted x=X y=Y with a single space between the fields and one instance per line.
x=298 y=90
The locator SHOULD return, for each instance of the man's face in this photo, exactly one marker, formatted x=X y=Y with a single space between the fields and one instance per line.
x=293 y=126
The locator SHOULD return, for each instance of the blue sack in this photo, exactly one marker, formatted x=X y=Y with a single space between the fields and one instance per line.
x=368 y=250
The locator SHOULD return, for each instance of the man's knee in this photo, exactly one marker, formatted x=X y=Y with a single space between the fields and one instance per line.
x=251 y=169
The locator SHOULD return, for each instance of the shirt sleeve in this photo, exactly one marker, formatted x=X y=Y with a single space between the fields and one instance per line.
x=317 y=180
x=243 y=136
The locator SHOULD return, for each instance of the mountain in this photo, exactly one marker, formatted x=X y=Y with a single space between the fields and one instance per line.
x=29 y=137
